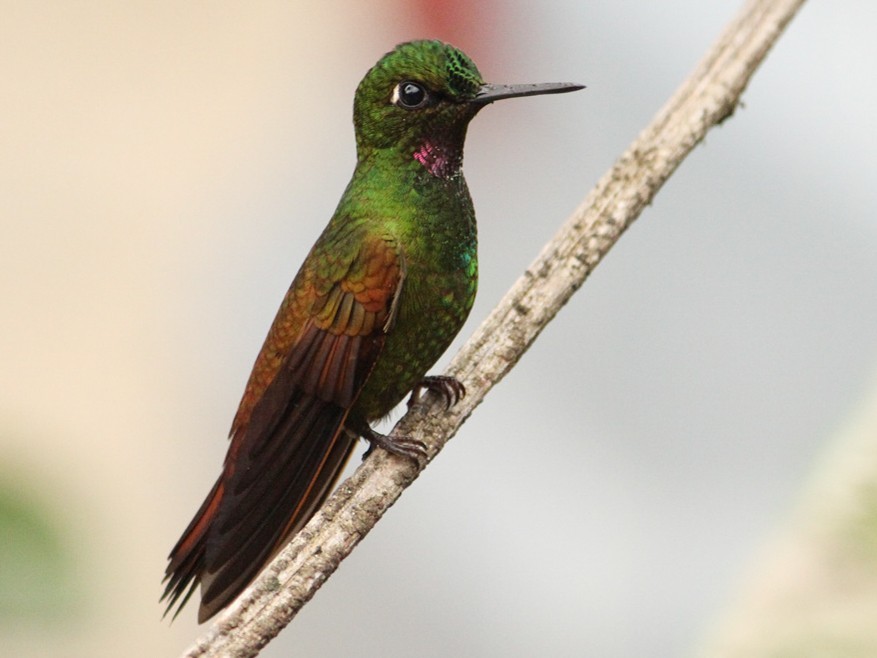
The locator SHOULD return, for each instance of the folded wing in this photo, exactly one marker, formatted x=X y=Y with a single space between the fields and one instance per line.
x=288 y=441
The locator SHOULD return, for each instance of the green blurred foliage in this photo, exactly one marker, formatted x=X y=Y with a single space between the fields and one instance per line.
x=37 y=575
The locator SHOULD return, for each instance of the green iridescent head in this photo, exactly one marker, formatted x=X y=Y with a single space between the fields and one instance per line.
x=417 y=83
x=419 y=98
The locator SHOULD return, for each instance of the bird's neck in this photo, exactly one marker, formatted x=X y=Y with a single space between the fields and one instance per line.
x=437 y=149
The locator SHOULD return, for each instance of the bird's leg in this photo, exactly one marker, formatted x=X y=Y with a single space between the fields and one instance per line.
x=398 y=445
x=449 y=389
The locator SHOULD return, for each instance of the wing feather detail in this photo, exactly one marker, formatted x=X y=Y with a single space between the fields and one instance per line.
x=289 y=443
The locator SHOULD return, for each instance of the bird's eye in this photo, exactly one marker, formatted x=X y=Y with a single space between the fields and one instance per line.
x=410 y=95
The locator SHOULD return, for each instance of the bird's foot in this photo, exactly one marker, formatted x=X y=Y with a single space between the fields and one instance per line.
x=398 y=445
x=449 y=389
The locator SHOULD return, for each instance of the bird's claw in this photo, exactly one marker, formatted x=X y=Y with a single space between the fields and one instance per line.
x=398 y=445
x=449 y=389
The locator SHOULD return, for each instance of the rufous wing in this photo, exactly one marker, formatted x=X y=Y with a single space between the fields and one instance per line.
x=288 y=442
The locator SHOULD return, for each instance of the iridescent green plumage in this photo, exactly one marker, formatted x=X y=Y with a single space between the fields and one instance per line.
x=384 y=290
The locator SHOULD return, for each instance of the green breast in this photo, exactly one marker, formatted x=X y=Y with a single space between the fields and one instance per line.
x=438 y=238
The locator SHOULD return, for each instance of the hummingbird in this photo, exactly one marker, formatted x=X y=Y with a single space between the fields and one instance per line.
x=382 y=293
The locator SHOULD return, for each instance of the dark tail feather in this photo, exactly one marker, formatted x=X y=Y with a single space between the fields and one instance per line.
x=186 y=560
x=276 y=475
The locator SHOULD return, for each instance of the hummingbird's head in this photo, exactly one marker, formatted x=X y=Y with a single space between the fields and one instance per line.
x=418 y=100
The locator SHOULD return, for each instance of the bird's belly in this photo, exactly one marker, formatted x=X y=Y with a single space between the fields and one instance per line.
x=431 y=312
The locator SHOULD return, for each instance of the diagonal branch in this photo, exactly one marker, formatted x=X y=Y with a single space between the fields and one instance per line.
x=707 y=97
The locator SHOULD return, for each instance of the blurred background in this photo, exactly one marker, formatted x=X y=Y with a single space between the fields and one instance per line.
x=164 y=168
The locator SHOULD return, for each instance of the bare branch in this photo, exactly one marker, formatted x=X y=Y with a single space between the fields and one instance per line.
x=707 y=98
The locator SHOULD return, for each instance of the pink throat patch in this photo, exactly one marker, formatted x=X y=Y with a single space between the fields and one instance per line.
x=439 y=161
